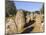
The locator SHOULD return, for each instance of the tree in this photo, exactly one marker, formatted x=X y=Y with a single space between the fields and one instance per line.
x=10 y=8
x=38 y=12
x=42 y=9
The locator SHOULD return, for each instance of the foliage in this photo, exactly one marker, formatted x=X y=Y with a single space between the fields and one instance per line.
x=10 y=8
x=42 y=9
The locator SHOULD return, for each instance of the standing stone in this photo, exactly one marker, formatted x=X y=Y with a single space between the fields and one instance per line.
x=10 y=26
x=27 y=18
x=38 y=24
x=20 y=21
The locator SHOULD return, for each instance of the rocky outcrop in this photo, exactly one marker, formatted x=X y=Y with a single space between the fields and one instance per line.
x=38 y=27
x=10 y=26
x=17 y=24
x=20 y=21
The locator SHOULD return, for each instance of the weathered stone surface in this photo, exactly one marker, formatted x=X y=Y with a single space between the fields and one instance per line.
x=20 y=21
x=15 y=24
x=10 y=26
x=38 y=25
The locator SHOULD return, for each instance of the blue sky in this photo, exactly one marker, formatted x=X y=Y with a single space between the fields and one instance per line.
x=29 y=6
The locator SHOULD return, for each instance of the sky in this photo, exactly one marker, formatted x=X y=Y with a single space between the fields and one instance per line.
x=29 y=6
